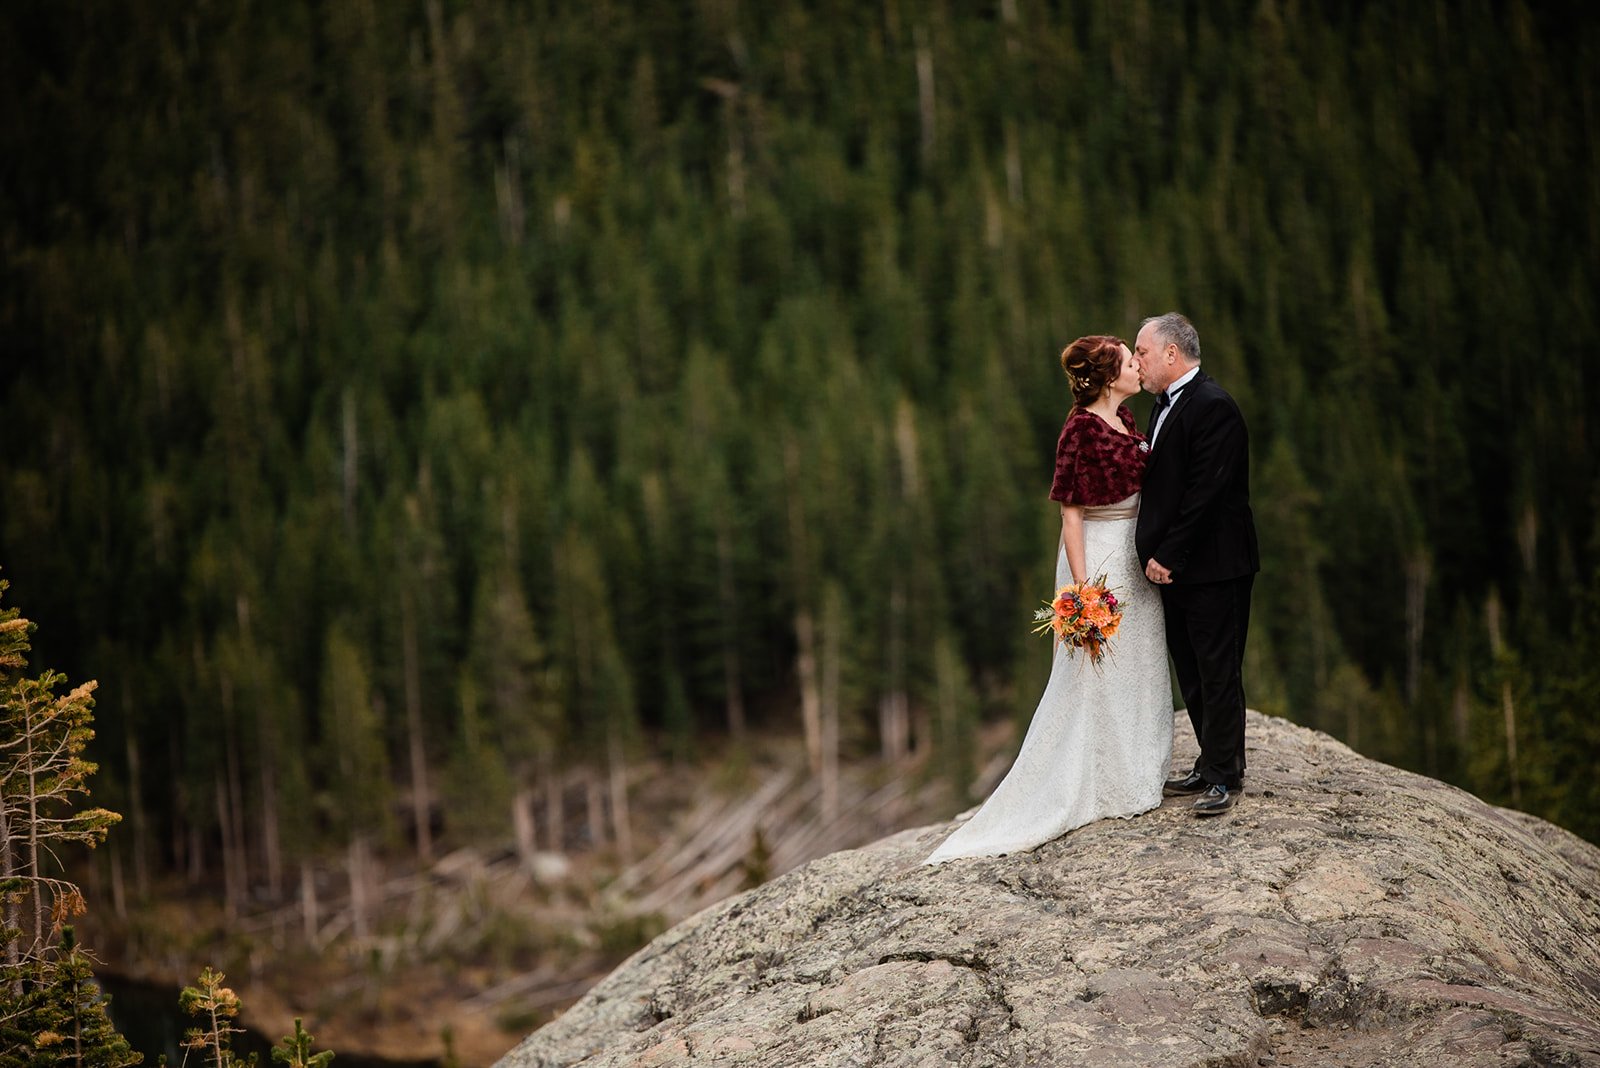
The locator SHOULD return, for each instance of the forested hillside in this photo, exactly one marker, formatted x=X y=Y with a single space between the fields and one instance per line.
x=403 y=402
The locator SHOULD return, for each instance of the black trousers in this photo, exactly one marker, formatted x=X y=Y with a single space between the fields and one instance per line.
x=1207 y=624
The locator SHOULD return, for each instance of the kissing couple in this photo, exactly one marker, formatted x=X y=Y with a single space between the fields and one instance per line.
x=1165 y=515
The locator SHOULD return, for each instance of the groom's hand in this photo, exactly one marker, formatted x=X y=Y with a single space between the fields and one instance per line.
x=1157 y=574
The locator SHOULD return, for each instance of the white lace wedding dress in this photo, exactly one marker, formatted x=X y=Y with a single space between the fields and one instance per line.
x=1101 y=739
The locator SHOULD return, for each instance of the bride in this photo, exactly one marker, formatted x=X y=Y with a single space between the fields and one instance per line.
x=1101 y=738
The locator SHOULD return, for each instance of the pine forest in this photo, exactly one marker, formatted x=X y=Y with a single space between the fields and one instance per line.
x=403 y=405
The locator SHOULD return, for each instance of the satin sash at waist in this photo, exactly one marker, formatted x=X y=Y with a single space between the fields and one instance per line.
x=1127 y=508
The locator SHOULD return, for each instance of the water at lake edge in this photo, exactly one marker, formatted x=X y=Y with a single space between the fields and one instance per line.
x=148 y=1016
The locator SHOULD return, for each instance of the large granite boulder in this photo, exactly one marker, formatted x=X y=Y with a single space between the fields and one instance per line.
x=1345 y=913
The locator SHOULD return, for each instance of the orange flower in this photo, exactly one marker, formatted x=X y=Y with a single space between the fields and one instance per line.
x=1083 y=615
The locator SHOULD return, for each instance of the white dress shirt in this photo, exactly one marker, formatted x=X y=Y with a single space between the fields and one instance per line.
x=1172 y=398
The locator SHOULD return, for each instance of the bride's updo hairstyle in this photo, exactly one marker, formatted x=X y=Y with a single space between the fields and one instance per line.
x=1091 y=364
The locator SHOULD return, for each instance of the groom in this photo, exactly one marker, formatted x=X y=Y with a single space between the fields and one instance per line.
x=1197 y=541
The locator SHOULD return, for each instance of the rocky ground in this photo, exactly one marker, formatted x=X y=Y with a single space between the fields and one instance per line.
x=1346 y=913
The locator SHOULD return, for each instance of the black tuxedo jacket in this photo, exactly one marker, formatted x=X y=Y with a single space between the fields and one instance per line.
x=1194 y=506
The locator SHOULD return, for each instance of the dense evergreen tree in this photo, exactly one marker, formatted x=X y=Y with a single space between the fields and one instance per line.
x=466 y=393
x=51 y=1010
x=60 y=1019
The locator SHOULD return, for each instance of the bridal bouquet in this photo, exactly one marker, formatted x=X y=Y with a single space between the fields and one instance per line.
x=1084 y=615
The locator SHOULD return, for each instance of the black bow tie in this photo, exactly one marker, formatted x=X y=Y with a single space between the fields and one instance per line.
x=1162 y=400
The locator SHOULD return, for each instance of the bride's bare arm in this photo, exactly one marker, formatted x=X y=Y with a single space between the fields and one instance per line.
x=1072 y=540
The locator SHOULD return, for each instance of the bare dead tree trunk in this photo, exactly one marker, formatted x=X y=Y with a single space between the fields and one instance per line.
x=921 y=733
x=594 y=800
x=1319 y=647
x=730 y=119
x=136 y=815
x=1008 y=15
x=349 y=461
x=925 y=95
x=832 y=625
x=894 y=712
x=732 y=675
x=119 y=890
x=1528 y=538
x=230 y=822
x=241 y=840
x=898 y=734
x=357 y=865
x=522 y=823
x=271 y=845
x=1013 y=165
x=730 y=93
x=1507 y=704
x=266 y=757
x=308 y=901
x=508 y=193
x=804 y=628
x=555 y=807
x=1511 y=743
x=185 y=835
x=1418 y=568
x=949 y=712
x=621 y=821
x=810 y=690
x=197 y=860
x=419 y=756
x=230 y=871
x=894 y=726
x=1352 y=724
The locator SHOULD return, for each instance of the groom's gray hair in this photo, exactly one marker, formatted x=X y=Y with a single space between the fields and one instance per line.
x=1177 y=330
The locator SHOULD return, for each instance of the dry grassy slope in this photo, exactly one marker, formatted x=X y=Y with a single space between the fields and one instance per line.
x=487 y=945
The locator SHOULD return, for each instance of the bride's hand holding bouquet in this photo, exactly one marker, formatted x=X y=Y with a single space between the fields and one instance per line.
x=1082 y=615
